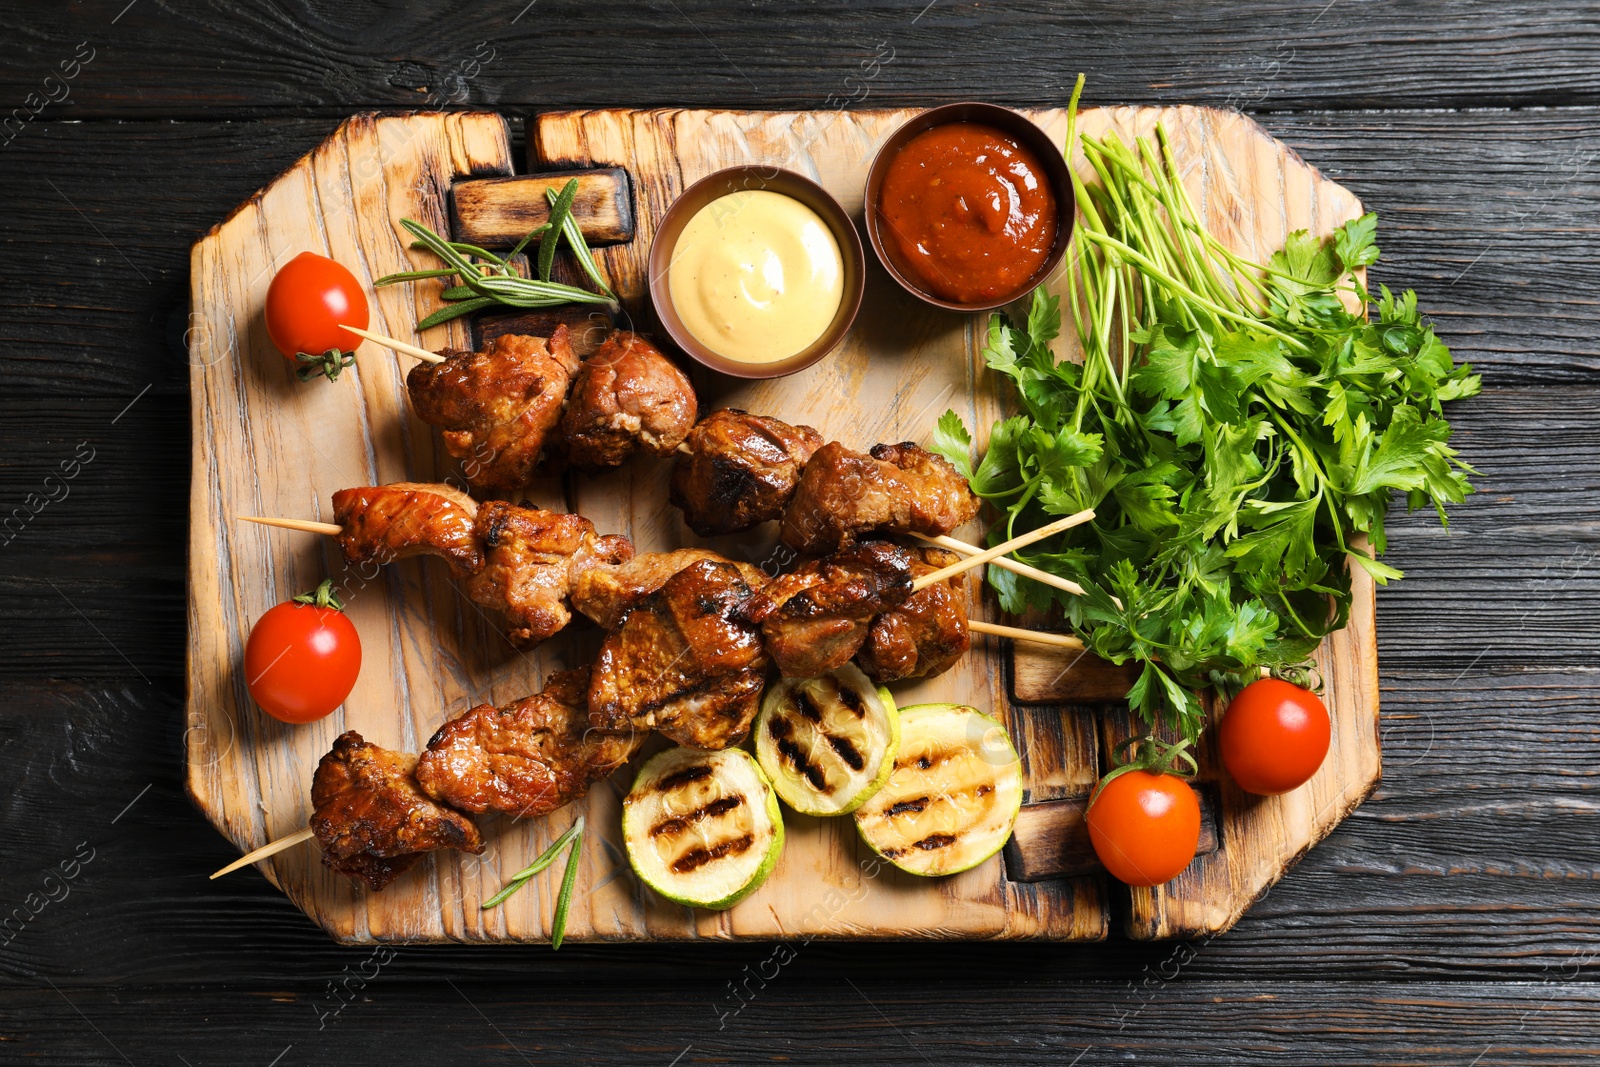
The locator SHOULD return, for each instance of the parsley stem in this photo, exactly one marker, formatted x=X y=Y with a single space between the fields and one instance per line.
x=1179 y=289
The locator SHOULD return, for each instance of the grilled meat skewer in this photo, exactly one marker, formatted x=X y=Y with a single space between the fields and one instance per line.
x=497 y=407
x=372 y=820
x=686 y=660
x=738 y=470
x=525 y=758
x=894 y=489
x=626 y=397
x=514 y=560
x=507 y=414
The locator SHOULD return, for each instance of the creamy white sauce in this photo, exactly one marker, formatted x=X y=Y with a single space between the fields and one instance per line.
x=756 y=276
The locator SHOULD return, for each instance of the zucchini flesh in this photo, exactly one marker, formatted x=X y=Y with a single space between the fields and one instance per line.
x=702 y=828
x=827 y=743
x=953 y=795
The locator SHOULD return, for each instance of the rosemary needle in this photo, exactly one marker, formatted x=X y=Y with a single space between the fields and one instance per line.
x=569 y=878
x=558 y=925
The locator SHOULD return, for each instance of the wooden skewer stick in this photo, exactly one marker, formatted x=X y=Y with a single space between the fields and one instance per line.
x=989 y=554
x=1016 y=633
x=332 y=529
x=398 y=346
x=1015 y=566
x=270 y=849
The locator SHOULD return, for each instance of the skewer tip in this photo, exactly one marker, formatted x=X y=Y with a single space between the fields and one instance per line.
x=332 y=529
x=271 y=848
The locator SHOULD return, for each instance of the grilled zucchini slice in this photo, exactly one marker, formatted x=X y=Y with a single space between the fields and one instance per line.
x=827 y=743
x=702 y=828
x=953 y=795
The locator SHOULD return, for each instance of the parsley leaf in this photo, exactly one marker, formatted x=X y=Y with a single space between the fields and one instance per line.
x=1236 y=427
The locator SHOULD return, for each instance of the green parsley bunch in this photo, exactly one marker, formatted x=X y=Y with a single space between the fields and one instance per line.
x=1236 y=427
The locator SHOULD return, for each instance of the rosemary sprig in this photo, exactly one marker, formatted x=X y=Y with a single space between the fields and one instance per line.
x=569 y=878
x=580 y=248
x=574 y=837
x=493 y=280
x=560 y=212
x=456 y=310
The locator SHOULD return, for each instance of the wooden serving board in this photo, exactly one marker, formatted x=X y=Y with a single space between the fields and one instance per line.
x=265 y=444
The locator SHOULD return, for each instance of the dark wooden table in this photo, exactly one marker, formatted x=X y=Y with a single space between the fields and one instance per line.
x=1455 y=919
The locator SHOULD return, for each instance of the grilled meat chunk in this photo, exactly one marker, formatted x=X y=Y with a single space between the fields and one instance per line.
x=685 y=660
x=498 y=406
x=816 y=617
x=604 y=591
x=898 y=488
x=372 y=821
x=525 y=758
x=527 y=571
x=626 y=396
x=925 y=635
x=383 y=523
x=741 y=470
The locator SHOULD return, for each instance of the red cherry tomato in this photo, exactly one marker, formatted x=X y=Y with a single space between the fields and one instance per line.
x=302 y=657
x=1274 y=736
x=308 y=303
x=1145 y=827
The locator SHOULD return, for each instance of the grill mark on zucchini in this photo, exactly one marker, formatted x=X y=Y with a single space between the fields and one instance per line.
x=926 y=761
x=696 y=858
x=807 y=707
x=852 y=700
x=917 y=805
x=698 y=773
x=935 y=841
x=847 y=751
x=797 y=759
x=914 y=807
x=679 y=823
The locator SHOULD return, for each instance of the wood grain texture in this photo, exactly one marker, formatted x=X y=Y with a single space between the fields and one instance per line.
x=499 y=212
x=297 y=445
x=1164 y=1020
x=234 y=59
x=877 y=387
x=1453 y=917
x=1473 y=862
x=287 y=448
x=1486 y=213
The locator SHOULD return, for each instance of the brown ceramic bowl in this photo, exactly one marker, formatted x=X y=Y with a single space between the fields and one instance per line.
x=738 y=179
x=1024 y=133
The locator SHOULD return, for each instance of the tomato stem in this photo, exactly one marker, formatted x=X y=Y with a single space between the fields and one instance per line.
x=322 y=596
x=327 y=365
x=1149 y=753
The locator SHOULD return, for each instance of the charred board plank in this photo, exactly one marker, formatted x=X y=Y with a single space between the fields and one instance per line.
x=236 y=60
x=499 y=212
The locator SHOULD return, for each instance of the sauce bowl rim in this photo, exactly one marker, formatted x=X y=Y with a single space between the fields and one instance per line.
x=769 y=177
x=1012 y=123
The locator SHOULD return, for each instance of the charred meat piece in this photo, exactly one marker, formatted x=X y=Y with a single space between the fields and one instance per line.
x=371 y=819
x=383 y=523
x=741 y=470
x=816 y=617
x=604 y=591
x=925 y=635
x=685 y=660
x=898 y=488
x=498 y=406
x=527 y=571
x=626 y=396
x=525 y=758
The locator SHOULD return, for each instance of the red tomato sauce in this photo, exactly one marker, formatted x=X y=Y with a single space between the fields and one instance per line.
x=965 y=213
